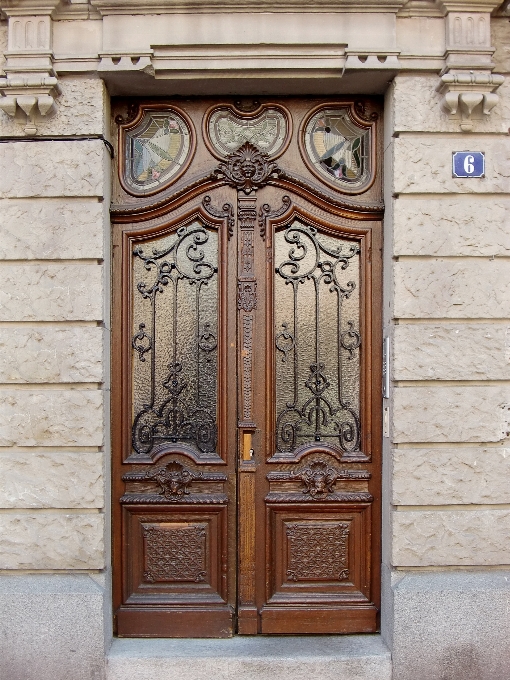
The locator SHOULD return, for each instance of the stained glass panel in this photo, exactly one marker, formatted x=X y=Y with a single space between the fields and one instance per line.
x=156 y=150
x=317 y=338
x=338 y=148
x=175 y=340
x=228 y=131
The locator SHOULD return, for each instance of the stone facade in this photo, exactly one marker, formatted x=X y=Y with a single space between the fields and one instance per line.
x=446 y=524
x=448 y=321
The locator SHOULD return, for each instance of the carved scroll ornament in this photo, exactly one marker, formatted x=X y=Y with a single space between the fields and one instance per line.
x=174 y=480
x=318 y=480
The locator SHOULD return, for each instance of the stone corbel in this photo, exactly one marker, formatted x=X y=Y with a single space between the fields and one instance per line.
x=463 y=93
x=34 y=95
x=467 y=83
x=29 y=89
x=116 y=63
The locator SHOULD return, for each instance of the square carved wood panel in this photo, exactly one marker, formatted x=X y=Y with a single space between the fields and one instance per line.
x=317 y=553
x=179 y=554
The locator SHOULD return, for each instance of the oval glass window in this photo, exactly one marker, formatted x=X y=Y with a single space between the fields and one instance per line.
x=157 y=149
x=339 y=149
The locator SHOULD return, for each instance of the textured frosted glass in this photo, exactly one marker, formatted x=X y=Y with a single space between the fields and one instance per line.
x=175 y=353
x=317 y=338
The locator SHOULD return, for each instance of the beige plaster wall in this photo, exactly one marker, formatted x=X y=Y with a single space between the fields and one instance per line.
x=53 y=304
x=449 y=290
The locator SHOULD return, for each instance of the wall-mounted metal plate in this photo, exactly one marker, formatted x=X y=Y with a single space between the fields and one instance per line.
x=468 y=164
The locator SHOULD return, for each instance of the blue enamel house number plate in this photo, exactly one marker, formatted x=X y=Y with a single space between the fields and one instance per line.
x=468 y=164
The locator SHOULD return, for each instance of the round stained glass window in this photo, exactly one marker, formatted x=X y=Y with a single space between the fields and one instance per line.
x=156 y=151
x=338 y=149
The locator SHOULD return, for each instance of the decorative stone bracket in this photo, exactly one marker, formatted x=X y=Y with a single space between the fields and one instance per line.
x=34 y=94
x=29 y=88
x=464 y=92
x=467 y=83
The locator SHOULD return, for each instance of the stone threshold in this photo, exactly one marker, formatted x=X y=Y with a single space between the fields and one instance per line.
x=325 y=657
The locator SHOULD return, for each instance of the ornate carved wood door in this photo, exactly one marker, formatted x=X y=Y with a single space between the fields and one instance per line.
x=246 y=409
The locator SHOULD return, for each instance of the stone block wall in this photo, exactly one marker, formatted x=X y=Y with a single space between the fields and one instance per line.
x=54 y=200
x=447 y=270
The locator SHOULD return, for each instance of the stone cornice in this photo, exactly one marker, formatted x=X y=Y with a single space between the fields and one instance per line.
x=11 y=8
x=469 y=5
x=420 y=8
x=106 y=7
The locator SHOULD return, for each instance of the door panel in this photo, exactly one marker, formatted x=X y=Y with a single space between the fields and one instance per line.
x=246 y=370
x=316 y=486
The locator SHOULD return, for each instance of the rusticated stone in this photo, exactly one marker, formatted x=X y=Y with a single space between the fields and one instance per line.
x=51 y=418
x=417 y=108
x=51 y=292
x=4 y=33
x=499 y=34
x=451 y=414
x=424 y=538
x=80 y=111
x=423 y=164
x=451 y=476
x=451 y=352
x=45 y=354
x=454 y=289
x=44 y=540
x=51 y=480
x=454 y=225
x=54 y=168
x=51 y=228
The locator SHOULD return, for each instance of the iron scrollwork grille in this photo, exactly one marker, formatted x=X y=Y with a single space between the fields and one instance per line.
x=175 y=346
x=317 y=339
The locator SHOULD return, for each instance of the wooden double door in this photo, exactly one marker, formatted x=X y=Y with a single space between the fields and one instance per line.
x=246 y=412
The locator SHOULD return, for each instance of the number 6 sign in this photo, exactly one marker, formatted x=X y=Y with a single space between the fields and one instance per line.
x=468 y=164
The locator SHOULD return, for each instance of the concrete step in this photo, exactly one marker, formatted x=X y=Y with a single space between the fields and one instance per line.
x=331 y=657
